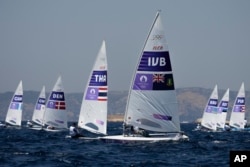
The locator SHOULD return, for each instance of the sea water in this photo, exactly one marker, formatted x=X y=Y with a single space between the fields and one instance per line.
x=25 y=147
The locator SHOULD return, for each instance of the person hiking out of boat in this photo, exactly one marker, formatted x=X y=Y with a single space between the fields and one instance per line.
x=51 y=127
x=74 y=132
x=29 y=124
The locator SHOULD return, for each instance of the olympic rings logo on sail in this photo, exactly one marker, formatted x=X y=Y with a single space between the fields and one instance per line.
x=157 y=37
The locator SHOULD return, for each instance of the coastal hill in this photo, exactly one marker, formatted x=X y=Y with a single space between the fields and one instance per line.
x=191 y=103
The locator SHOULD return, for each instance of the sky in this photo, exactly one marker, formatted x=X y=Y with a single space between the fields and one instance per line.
x=208 y=40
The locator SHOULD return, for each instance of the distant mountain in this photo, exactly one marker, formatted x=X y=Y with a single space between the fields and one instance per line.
x=191 y=103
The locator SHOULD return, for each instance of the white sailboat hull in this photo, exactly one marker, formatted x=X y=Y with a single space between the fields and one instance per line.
x=152 y=138
x=36 y=127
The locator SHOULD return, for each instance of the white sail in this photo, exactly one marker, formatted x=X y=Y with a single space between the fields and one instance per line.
x=237 y=119
x=93 y=114
x=208 y=119
x=152 y=102
x=55 y=114
x=39 y=108
x=222 y=110
x=14 y=114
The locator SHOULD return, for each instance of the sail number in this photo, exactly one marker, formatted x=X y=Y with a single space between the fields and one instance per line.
x=58 y=96
x=41 y=101
x=156 y=61
x=213 y=102
x=240 y=101
x=224 y=104
x=100 y=78
x=17 y=98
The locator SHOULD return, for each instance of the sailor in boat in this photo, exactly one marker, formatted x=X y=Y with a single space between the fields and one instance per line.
x=74 y=132
x=29 y=124
x=51 y=127
x=198 y=127
x=130 y=130
x=2 y=125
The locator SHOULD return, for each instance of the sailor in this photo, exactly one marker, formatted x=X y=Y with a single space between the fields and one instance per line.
x=74 y=132
x=2 y=125
x=29 y=124
x=198 y=127
x=51 y=127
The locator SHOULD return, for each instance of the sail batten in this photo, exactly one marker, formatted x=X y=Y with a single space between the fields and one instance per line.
x=152 y=102
x=93 y=113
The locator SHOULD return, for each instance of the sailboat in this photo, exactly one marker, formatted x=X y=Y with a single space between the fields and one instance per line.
x=208 y=121
x=93 y=113
x=55 y=116
x=39 y=111
x=222 y=111
x=152 y=111
x=14 y=113
x=237 y=119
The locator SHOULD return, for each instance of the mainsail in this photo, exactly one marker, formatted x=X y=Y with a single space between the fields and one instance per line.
x=208 y=119
x=152 y=102
x=222 y=110
x=14 y=113
x=39 y=108
x=237 y=119
x=93 y=114
x=55 y=114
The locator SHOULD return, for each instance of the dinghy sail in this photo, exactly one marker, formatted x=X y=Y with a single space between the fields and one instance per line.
x=152 y=107
x=208 y=119
x=222 y=110
x=14 y=114
x=93 y=114
x=55 y=114
x=39 y=109
x=152 y=103
x=237 y=119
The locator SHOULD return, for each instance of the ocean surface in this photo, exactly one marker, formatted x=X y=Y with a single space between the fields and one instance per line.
x=30 y=148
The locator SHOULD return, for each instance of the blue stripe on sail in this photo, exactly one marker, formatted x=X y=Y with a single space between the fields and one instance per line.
x=104 y=94
x=155 y=61
x=57 y=96
x=98 y=78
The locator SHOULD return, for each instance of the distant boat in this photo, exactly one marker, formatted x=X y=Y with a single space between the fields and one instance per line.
x=55 y=117
x=94 y=108
x=14 y=113
x=209 y=120
x=237 y=119
x=39 y=111
x=222 y=111
x=152 y=110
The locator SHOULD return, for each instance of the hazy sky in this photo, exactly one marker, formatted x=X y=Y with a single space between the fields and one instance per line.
x=209 y=41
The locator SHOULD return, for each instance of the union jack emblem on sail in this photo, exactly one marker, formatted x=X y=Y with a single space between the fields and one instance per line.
x=102 y=94
x=158 y=78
